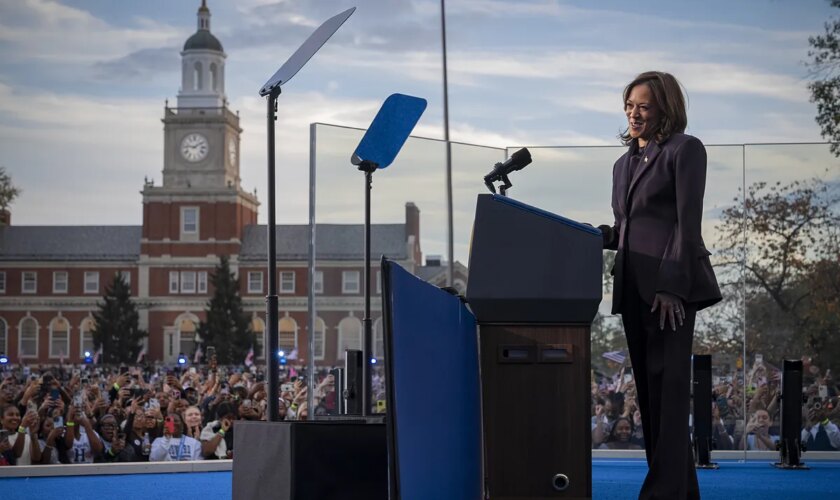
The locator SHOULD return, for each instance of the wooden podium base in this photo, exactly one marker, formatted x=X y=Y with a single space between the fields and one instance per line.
x=536 y=406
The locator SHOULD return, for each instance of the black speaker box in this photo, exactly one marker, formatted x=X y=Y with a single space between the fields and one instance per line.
x=325 y=460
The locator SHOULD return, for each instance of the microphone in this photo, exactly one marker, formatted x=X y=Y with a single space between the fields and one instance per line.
x=517 y=161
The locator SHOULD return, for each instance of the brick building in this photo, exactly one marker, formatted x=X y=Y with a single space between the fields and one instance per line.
x=51 y=277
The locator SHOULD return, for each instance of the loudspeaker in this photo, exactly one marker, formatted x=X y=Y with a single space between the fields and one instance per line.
x=702 y=391
x=353 y=382
x=307 y=460
x=790 y=444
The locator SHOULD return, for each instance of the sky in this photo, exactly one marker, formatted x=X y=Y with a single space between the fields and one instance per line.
x=83 y=84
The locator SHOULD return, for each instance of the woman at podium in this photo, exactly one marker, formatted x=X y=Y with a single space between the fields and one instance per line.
x=662 y=271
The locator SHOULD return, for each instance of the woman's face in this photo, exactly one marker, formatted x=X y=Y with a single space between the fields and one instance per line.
x=642 y=114
x=623 y=430
x=47 y=425
x=192 y=417
x=109 y=427
x=11 y=418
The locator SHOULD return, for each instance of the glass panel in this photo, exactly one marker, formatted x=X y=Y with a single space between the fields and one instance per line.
x=576 y=182
x=793 y=264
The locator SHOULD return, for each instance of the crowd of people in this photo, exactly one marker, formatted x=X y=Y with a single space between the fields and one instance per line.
x=616 y=422
x=98 y=414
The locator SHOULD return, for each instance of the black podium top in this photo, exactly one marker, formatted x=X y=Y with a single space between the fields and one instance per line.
x=531 y=266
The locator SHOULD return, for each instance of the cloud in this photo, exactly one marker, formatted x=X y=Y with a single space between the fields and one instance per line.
x=139 y=64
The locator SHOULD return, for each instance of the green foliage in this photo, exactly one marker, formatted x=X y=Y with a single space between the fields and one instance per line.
x=227 y=327
x=117 y=328
x=8 y=192
x=825 y=89
x=790 y=269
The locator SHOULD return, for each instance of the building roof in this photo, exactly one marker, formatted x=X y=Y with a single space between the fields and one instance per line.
x=203 y=40
x=81 y=243
x=121 y=243
x=332 y=241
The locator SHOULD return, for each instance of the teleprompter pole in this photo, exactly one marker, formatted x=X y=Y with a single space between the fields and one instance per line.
x=368 y=168
x=271 y=300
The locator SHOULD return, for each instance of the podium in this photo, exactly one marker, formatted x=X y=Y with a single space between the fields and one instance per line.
x=534 y=287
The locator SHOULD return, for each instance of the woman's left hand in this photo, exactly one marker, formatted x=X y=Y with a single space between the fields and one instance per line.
x=670 y=306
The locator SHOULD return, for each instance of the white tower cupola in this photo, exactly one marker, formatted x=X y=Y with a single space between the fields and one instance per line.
x=202 y=67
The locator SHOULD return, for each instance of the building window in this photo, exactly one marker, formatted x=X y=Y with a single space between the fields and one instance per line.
x=59 y=338
x=288 y=334
x=2 y=281
x=319 y=282
x=287 y=282
x=258 y=327
x=28 y=342
x=29 y=282
x=187 y=338
x=255 y=282
x=378 y=340
x=60 y=282
x=214 y=78
x=126 y=276
x=202 y=282
x=188 y=282
x=349 y=282
x=349 y=335
x=86 y=341
x=197 y=76
x=91 y=282
x=4 y=336
x=173 y=281
x=189 y=221
x=318 y=337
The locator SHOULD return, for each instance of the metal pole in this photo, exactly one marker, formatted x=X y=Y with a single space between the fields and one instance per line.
x=271 y=300
x=368 y=350
x=310 y=391
x=450 y=239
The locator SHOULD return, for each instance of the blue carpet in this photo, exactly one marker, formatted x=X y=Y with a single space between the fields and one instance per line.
x=612 y=480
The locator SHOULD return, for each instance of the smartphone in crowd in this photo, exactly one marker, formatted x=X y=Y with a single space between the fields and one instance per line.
x=192 y=370
x=55 y=393
x=58 y=421
x=823 y=391
x=287 y=387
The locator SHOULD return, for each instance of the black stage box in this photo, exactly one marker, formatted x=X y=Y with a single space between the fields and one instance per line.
x=310 y=460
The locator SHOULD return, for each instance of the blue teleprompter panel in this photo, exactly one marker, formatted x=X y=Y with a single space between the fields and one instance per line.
x=389 y=130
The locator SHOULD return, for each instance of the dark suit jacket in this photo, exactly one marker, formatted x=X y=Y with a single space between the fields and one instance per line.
x=657 y=223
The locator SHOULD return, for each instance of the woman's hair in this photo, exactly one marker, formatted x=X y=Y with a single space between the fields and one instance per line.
x=669 y=100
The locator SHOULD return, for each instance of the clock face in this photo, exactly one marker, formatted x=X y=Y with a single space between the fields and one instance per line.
x=194 y=147
x=232 y=151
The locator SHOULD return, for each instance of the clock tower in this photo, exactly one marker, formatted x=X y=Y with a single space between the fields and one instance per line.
x=201 y=208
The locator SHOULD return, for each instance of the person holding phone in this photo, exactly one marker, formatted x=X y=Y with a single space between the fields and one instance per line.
x=662 y=271
x=50 y=439
x=114 y=440
x=82 y=441
x=21 y=435
x=175 y=446
x=217 y=436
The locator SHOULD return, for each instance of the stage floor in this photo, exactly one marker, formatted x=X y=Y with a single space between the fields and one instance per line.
x=613 y=479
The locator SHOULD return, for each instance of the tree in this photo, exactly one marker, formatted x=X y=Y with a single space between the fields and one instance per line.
x=825 y=90
x=790 y=266
x=8 y=192
x=227 y=327
x=117 y=328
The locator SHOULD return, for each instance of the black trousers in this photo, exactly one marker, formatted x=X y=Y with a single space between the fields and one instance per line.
x=662 y=371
